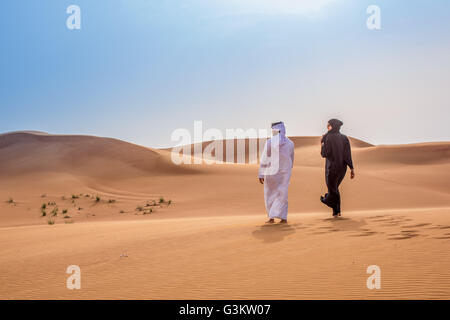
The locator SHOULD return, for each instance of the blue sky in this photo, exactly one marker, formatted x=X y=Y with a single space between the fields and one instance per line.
x=137 y=70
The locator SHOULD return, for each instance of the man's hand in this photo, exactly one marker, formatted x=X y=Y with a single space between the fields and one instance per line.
x=352 y=174
x=261 y=180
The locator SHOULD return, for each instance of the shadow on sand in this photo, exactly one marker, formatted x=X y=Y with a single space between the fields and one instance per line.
x=273 y=232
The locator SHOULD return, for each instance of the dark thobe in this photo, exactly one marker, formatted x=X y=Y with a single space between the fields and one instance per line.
x=336 y=150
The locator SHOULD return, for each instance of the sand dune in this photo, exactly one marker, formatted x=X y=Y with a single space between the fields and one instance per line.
x=209 y=240
x=413 y=154
x=29 y=152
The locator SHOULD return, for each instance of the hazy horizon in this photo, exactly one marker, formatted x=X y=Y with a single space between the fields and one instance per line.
x=138 y=70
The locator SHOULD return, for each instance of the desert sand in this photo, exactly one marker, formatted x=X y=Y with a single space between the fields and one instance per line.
x=141 y=227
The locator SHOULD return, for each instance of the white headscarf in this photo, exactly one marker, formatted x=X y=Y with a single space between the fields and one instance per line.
x=280 y=127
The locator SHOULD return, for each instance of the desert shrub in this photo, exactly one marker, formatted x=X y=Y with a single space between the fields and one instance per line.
x=64 y=211
x=149 y=211
x=50 y=221
x=55 y=211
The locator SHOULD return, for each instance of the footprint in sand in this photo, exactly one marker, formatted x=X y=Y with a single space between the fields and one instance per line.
x=445 y=236
x=417 y=225
x=364 y=234
x=343 y=224
x=299 y=226
x=405 y=234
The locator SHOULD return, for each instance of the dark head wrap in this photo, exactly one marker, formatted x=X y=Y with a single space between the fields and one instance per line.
x=335 y=124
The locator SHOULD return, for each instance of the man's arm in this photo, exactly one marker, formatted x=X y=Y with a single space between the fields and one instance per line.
x=292 y=155
x=325 y=149
x=264 y=161
x=348 y=157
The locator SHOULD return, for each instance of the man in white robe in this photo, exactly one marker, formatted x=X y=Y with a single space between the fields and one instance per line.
x=275 y=171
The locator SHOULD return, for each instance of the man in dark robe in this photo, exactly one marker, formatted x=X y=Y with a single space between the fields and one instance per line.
x=336 y=150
